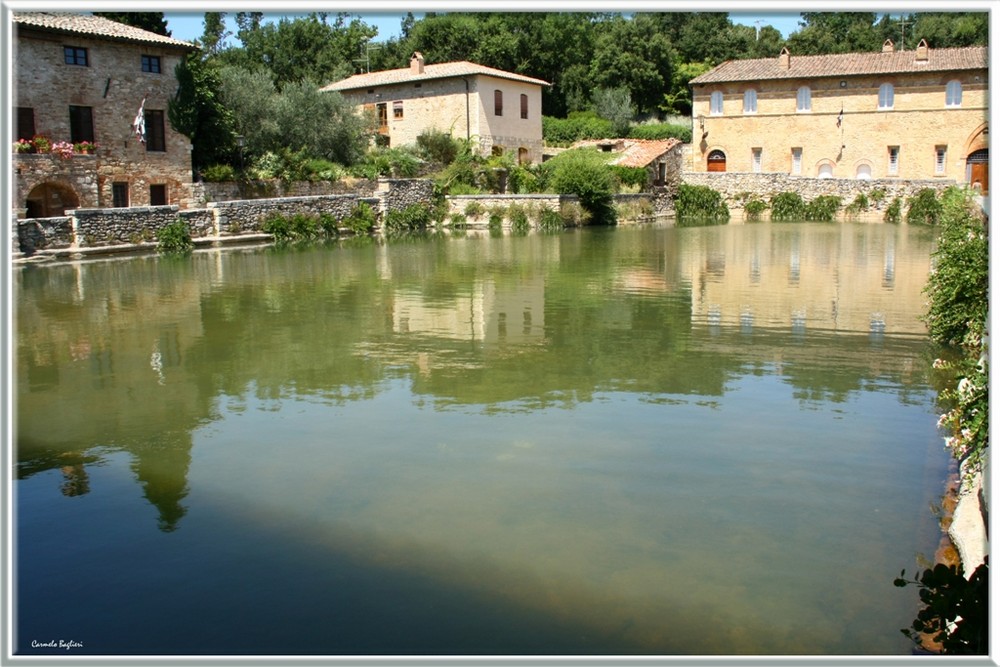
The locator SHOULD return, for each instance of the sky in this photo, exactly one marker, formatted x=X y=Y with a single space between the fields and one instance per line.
x=189 y=26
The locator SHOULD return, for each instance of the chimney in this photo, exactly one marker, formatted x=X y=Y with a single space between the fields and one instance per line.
x=922 y=50
x=887 y=46
x=784 y=59
x=417 y=63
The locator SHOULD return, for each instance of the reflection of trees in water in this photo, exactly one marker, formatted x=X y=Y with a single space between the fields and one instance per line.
x=137 y=354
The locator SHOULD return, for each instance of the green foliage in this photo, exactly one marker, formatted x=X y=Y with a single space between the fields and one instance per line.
x=518 y=218
x=412 y=218
x=218 y=173
x=754 y=208
x=924 y=208
x=661 y=131
x=361 y=219
x=956 y=610
x=549 y=220
x=198 y=111
x=629 y=177
x=877 y=195
x=699 y=203
x=175 y=237
x=578 y=126
x=614 y=105
x=474 y=209
x=523 y=179
x=823 y=208
x=787 y=206
x=439 y=147
x=584 y=173
x=402 y=162
x=496 y=217
x=894 y=212
x=859 y=204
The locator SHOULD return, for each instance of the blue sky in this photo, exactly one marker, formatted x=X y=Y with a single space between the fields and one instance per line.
x=189 y=26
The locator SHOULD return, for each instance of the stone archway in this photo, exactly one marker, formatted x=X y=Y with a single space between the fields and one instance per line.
x=978 y=168
x=49 y=200
x=716 y=161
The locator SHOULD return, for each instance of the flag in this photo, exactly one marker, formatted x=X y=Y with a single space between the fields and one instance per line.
x=840 y=117
x=139 y=124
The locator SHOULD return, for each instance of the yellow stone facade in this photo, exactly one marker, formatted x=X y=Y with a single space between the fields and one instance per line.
x=843 y=132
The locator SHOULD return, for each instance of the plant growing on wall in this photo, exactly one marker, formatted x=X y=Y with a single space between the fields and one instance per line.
x=925 y=208
x=894 y=212
x=175 y=238
x=700 y=204
x=787 y=206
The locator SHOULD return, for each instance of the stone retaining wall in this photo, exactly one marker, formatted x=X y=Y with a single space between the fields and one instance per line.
x=95 y=227
x=232 y=190
x=736 y=186
x=397 y=194
x=247 y=216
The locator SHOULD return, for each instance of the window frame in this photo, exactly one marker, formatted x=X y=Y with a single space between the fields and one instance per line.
x=756 y=159
x=953 y=94
x=886 y=97
x=25 y=123
x=397 y=110
x=72 y=55
x=750 y=101
x=893 y=166
x=81 y=123
x=161 y=198
x=524 y=106
x=797 y=161
x=119 y=194
x=716 y=103
x=940 y=160
x=803 y=100
x=147 y=62
x=497 y=102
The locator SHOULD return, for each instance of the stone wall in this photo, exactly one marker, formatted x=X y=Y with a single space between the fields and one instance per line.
x=397 y=194
x=232 y=190
x=246 y=216
x=43 y=233
x=475 y=210
x=98 y=227
x=735 y=187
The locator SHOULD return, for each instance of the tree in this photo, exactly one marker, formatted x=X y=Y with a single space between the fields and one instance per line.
x=633 y=54
x=835 y=32
x=197 y=112
x=615 y=105
x=151 y=21
x=215 y=34
x=584 y=173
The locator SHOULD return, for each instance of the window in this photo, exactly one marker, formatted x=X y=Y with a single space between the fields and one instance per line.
x=953 y=94
x=864 y=172
x=119 y=195
x=803 y=100
x=397 y=110
x=524 y=105
x=497 y=102
x=81 y=124
x=523 y=156
x=382 y=110
x=155 y=137
x=940 y=159
x=796 y=160
x=885 y=96
x=716 y=103
x=750 y=101
x=756 y=155
x=893 y=160
x=157 y=195
x=74 y=55
x=151 y=64
x=25 y=123
x=826 y=170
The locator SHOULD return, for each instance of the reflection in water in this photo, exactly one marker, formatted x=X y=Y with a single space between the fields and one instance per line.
x=667 y=440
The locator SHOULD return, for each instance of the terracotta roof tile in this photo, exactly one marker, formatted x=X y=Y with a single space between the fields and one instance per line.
x=631 y=152
x=96 y=26
x=847 y=64
x=439 y=71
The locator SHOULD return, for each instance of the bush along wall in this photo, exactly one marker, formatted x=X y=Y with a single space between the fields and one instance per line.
x=955 y=603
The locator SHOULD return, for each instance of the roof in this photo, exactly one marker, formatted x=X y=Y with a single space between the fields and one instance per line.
x=439 y=71
x=847 y=64
x=94 y=26
x=632 y=152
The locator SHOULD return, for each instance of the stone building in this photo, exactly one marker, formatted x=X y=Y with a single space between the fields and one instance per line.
x=502 y=111
x=919 y=114
x=661 y=158
x=80 y=80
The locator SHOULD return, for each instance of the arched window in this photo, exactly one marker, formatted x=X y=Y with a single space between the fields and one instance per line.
x=885 y=96
x=522 y=155
x=825 y=170
x=750 y=101
x=716 y=161
x=864 y=172
x=716 y=103
x=953 y=94
x=804 y=99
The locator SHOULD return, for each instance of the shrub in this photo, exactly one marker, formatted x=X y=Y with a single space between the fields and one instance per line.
x=457 y=220
x=661 y=131
x=787 y=206
x=361 y=219
x=278 y=226
x=925 y=208
x=304 y=227
x=522 y=180
x=175 y=237
x=218 y=173
x=859 y=204
x=634 y=177
x=877 y=195
x=437 y=146
x=823 y=208
x=496 y=217
x=585 y=174
x=894 y=212
x=518 y=218
x=474 y=209
x=754 y=207
x=699 y=203
x=411 y=218
x=579 y=125
x=549 y=220
x=573 y=215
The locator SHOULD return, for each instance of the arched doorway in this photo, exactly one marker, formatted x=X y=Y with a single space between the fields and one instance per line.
x=716 y=161
x=49 y=200
x=978 y=170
